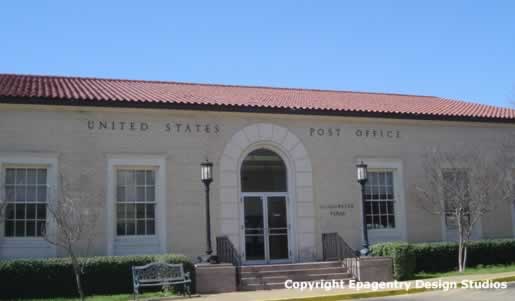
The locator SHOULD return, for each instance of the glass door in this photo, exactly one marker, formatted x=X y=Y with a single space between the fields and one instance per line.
x=266 y=228
x=277 y=231
x=254 y=228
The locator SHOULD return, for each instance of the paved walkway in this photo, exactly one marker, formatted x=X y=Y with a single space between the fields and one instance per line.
x=294 y=293
x=457 y=295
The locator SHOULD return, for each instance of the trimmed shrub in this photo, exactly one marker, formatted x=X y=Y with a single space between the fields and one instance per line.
x=485 y=252
x=435 y=257
x=402 y=255
x=409 y=259
x=31 y=278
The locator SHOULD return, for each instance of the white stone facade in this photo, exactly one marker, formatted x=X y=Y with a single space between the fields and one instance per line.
x=320 y=153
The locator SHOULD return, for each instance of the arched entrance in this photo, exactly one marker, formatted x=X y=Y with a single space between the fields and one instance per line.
x=301 y=209
x=264 y=194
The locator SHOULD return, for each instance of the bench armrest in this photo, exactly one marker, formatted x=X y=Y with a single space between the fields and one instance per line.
x=135 y=280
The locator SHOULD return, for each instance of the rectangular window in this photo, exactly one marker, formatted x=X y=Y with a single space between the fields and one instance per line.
x=26 y=201
x=456 y=194
x=380 y=200
x=135 y=202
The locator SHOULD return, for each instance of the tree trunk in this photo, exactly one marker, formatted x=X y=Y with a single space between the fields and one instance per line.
x=460 y=242
x=465 y=248
x=460 y=256
x=77 y=271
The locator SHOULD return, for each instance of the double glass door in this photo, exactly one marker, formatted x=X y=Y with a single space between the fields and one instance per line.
x=265 y=228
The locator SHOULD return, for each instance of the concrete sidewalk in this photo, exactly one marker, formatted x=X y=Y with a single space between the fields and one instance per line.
x=286 y=294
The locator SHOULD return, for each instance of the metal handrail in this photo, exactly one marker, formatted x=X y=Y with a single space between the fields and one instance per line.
x=227 y=253
x=334 y=247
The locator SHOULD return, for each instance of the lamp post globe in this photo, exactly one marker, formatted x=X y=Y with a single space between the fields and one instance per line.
x=362 y=173
x=206 y=171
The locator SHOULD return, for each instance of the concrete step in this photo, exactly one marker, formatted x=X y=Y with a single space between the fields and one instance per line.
x=294 y=273
x=328 y=276
x=261 y=286
x=306 y=277
x=261 y=280
x=291 y=266
x=277 y=285
x=265 y=277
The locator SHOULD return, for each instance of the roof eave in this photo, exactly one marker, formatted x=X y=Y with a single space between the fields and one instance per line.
x=246 y=109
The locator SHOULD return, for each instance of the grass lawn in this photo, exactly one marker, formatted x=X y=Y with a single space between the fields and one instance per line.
x=121 y=297
x=480 y=269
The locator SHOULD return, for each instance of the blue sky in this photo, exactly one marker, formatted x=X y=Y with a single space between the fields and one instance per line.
x=455 y=49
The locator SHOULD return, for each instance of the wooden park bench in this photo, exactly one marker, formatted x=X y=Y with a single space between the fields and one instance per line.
x=160 y=274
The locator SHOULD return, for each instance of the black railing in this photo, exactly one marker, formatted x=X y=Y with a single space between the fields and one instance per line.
x=334 y=247
x=227 y=253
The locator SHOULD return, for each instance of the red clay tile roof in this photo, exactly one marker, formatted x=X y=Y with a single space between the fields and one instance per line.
x=115 y=92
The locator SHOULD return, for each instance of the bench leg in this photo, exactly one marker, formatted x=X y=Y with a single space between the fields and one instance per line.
x=187 y=290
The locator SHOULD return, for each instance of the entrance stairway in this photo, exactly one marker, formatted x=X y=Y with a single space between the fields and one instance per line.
x=264 y=277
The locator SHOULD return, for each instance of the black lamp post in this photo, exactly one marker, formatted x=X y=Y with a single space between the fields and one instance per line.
x=206 y=175
x=362 y=177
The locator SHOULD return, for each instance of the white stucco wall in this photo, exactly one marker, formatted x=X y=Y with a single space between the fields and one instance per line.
x=323 y=166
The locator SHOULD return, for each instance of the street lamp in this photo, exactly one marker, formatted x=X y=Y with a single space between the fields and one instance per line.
x=362 y=177
x=206 y=175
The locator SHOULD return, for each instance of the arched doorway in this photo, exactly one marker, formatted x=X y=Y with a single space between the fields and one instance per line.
x=265 y=222
x=302 y=233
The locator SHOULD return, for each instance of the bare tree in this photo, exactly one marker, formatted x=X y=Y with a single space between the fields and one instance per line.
x=74 y=215
x=462 y=186
x=3 y=204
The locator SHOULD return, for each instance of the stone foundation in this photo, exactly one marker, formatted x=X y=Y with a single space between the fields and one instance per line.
x=375 y=268
x=215 y=278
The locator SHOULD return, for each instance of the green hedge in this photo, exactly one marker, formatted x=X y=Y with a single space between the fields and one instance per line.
x=30 y=278
x=403 y=258
x=486 y=252
x=409 y=259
